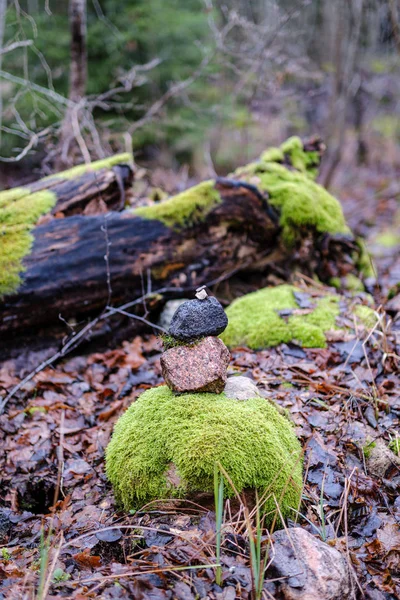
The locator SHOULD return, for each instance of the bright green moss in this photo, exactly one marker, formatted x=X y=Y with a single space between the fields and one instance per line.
x=301 y=201
x=388 y=238
x=17 y=219
x=192 y=432
x=394 y=446
x=353 y=283
x=187 y=208
x=292 y=151
x=110 y=161
x=310 y=329
x=28 y=209
x=272 y=155
x=7 y=196
x=365 y=264
x=254 y=320
x=14 y=245
x=335 y=282
x=302 y=160
x=387 y=125
x=367 y=449
x=366 y=315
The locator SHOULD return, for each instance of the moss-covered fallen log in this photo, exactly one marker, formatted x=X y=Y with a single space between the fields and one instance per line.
x=64 y=194
x=269 y=216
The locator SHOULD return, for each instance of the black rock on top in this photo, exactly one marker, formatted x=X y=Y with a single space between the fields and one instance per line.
x=198 y=318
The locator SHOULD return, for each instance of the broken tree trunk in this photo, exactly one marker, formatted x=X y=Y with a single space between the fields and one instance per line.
x=81 y=263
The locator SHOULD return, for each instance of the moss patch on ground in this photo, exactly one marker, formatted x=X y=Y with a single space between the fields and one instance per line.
x=185 y=209
x=364 y=260
x=394 y=446
x=189 y=434
x=367 y=448
x=19 y=212
x=272 y=316
x=366 y=315
x=388 y=238
x=254 y=319
x=353 y=283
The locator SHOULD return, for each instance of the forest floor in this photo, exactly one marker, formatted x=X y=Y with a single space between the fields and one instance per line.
x=55 y=431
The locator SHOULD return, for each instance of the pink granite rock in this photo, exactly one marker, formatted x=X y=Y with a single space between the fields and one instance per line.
x=200 y=367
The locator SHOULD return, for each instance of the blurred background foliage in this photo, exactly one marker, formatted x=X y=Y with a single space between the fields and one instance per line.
x=256 y=71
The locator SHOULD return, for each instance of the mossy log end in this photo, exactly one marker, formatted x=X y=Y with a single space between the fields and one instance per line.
x=224 y=226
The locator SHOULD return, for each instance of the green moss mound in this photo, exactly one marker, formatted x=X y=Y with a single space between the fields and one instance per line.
x=187 y=208
x=292 y=190
x=20 y=210
x=192 y=432
x=292 y=152
x=254 y=319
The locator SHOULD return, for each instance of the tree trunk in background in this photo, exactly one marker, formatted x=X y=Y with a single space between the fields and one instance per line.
x=78 y=68
x=394 y=19
x=3 y=7
x=70 y=134
x=348 y=23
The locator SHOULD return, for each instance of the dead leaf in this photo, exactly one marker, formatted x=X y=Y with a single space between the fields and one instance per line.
x=389 y=537
x=115 y=407
x=85 y=559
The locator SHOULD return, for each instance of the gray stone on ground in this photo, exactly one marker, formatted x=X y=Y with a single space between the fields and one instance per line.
x=240 y=388
x=198 y=318
x=310 y=569
x=380 y=460
x=200 y=367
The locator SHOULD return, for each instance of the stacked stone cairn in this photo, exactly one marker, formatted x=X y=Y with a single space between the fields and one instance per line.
x=170 y=439
x=198 y=359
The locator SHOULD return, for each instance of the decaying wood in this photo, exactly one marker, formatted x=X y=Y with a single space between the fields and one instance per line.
x=66 y=277
x=103 y=189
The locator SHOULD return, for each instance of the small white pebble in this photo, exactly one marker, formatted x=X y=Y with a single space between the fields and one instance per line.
x=201 y=293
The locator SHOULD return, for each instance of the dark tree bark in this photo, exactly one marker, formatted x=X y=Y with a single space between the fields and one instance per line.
x=92 y=193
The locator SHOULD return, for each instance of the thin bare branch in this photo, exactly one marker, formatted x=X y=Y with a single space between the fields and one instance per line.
x=35 y=87
x=15 y=45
